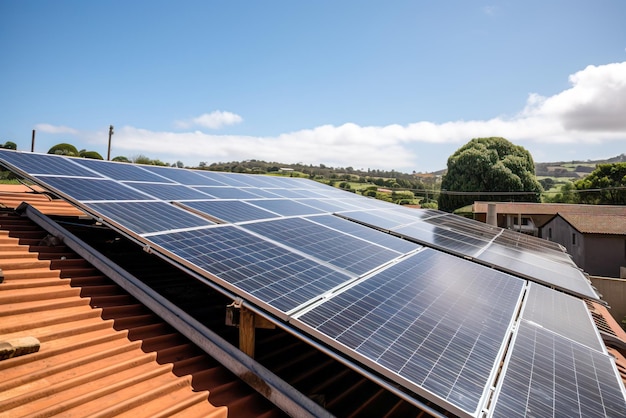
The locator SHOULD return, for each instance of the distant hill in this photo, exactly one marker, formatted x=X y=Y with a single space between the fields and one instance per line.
x=573 y=169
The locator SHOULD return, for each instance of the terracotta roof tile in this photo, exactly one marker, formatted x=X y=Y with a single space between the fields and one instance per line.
x=527 y=208
x=597 y=223
x=101 y=352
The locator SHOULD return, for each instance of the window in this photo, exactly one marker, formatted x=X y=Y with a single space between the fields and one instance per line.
x=573 y=239
x=550 y=234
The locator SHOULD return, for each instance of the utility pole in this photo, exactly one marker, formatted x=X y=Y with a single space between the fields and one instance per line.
x=32 y=142
x=109 y=147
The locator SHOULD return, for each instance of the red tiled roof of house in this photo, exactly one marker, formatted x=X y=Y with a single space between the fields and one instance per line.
x=527 y=208
x=597 y=223
x=14 y=194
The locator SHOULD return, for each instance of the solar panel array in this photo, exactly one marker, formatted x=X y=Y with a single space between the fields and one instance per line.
x=427 y=299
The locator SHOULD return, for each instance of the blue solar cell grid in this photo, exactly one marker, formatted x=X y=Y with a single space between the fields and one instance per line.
x=180 y=175
x=121 y=171
x=329 y=245
x=43 y=164
x=169 y=192
x=286 y=207
x=230 y=210
x=563 y=314
x=228 y=192
x=548 y=375
x=275 y=276
x=82 y=189
x=436 y=321
x=369 y=234
x=148 y=217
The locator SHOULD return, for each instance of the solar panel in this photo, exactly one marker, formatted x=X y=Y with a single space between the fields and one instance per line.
x=244 y=263
x=539 y=269
x=285 y=207
x=366 y=233
x=82 y=189
x=230 y=210
x=121 y=171
x=341 y=250
x=548 y=375
x=436 y=324
x=433 y=322
x=169 y=192
x=563 y=314
x=44 y=164
x=180 y=175
x=228 y=192
x=147 y=217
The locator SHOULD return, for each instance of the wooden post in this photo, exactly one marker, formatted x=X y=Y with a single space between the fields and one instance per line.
x=246 y=331
x=32 y=142
x=109 y=147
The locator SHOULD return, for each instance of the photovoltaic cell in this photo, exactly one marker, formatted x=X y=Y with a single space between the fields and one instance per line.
x=180 y=175
x=285 y=207
x=169 y=192
x=326 y=205
x=433 y=321
x=563 y=314
x=339 y=249
x=230 y=210
x=539 y=269
x=369 y=234
x=44 y=164
x=121 y=171
x=146 y=217
x=273 y=275
x=548 y=375
x=442 y=238
x=94 y=189
x=228 y=192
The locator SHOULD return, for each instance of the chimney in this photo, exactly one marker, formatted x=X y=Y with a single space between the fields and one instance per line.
x=492 y=214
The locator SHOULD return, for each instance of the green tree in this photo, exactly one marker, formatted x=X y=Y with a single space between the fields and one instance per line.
x=608 y=182
x=90 y=154
x=488 y=165
x=121 y=159
x=9 y=145
x=64 y=149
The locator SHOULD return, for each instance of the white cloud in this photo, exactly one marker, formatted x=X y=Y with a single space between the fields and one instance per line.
x=53 y=129
x=588 y=114
x=214 y=120
x=595 y=103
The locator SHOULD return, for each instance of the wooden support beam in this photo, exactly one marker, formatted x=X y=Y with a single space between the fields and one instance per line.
x=246 y=331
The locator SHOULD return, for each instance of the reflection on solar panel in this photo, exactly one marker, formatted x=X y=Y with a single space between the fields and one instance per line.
x=180 y=175
x=434 y=321
x=121 y=171
x=563 y=314
x=366 y=233
x=146 y=217
x=273 y=275
x=230 y=210
x=285 y=207
x=341 y=250
x=327 y=205
x=539 y=269
x=548 y=375
x=94 y=189
x=228 y=192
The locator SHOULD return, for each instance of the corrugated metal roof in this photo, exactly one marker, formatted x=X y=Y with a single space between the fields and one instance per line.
x=101 y=352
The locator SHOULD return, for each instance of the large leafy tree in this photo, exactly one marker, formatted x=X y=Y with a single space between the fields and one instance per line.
x=64 y=149
x=9 y=145
x=606 y=185
x=489 y=165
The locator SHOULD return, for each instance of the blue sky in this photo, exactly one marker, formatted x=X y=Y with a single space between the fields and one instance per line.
x=369 y=84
